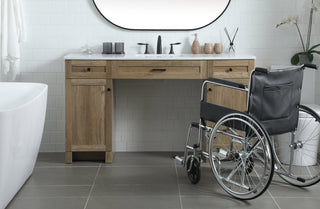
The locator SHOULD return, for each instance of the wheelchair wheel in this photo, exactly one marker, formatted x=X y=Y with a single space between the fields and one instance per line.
x=305 y=167
x=193 y=169
x=241 y=156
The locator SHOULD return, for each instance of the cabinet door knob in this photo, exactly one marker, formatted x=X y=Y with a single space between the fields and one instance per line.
x=88 y=69
x=210 y=89
x=230 y=69
x=108 y=89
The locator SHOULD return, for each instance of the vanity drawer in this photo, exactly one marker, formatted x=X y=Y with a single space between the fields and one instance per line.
x=159 y=69
x=230 y=69
x=88 y=69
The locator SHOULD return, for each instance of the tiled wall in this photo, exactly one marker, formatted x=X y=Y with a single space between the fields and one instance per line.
x=150 y=114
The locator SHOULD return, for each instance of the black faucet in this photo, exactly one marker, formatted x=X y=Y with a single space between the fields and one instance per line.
x=147 y=48
x=171 y=47
x=159 y=45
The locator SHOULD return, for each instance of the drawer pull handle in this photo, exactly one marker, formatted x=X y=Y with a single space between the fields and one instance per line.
x=88 y=69
x=230 y=70
x=158 y=70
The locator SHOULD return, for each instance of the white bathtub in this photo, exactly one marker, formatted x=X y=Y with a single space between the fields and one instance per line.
x=22 y=115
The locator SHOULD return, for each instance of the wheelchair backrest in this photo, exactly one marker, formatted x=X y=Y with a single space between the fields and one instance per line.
x=274 y=98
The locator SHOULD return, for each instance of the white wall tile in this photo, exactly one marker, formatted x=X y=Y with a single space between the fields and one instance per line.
x=152 y=114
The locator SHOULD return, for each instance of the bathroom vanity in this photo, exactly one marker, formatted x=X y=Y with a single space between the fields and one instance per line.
x=89 y=89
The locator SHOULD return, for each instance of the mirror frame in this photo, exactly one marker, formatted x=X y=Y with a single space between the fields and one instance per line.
x=133 y=29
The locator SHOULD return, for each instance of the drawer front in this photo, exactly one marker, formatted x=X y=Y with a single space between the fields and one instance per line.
x=230 y=69
x=159 y=69
x=88 y=69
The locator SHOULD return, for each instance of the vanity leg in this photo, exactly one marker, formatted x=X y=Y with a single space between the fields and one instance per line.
x=68 y=157
x=109 y=157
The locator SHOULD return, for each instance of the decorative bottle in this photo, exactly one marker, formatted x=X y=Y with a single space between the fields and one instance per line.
x=196 y=48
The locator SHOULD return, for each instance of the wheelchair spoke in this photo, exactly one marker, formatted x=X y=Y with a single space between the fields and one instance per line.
x=253 y=148
x=234 y=171
x=243 y=172
x=259 y=157
x=237 y=184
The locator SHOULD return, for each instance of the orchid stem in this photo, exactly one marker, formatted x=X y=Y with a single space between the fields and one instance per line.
x=301 y=39
x=309 y=29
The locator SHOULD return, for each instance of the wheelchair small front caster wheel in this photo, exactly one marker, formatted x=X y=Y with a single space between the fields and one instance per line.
x=193 y=169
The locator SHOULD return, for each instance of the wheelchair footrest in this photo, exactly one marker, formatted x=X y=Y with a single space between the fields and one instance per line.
x=179 y=159
x=195 y=125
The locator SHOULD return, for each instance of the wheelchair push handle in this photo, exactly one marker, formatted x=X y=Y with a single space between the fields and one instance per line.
x=313 y=66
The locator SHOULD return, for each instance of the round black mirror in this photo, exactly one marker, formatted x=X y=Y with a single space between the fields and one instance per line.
x=161 y=14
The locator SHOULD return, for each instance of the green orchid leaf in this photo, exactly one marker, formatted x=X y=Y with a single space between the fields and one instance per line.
x=314 y=51
x=295 y=59
x=315 y=46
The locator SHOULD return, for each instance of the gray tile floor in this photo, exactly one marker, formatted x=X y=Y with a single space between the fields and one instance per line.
x=141 y=180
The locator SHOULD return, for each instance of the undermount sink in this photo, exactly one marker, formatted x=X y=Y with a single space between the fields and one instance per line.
x=157 y=55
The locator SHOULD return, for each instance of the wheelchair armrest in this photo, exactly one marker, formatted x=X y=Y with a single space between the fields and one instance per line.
x=227 y=83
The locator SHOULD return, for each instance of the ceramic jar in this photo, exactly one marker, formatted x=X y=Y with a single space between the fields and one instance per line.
x=208 y=48
x=196 y=48
x=218 y=48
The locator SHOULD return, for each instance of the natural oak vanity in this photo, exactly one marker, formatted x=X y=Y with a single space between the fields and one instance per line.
x=89 y=89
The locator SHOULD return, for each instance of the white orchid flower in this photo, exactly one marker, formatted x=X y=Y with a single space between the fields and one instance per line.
x=293 y=19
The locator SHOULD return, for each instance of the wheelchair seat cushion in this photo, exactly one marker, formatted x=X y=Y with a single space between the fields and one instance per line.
x=275 y=97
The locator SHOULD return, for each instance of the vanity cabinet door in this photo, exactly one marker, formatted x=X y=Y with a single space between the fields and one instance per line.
x=227 y=97
x=88 y=116
x=234 y=70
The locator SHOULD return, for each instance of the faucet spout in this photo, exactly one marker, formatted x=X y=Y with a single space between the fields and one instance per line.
x=159 y=45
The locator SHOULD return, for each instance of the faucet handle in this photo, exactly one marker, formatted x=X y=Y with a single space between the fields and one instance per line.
x=147 y=48
x=171 y=47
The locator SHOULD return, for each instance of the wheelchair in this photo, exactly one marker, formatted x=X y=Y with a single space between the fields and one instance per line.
x=242 y=147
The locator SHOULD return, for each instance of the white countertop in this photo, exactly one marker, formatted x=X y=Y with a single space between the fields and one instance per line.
x=227 y=56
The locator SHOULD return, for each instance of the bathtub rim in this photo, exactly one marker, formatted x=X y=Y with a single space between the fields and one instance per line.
x=45 y=89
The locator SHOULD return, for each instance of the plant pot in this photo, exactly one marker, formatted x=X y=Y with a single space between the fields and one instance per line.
x=304 y=59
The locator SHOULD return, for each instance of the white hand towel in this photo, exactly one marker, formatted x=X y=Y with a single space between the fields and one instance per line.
x=13 y=34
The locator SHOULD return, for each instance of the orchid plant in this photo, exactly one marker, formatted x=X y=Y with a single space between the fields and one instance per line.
x=307 y=50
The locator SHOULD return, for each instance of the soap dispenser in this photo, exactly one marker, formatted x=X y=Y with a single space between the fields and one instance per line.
x=196 y=48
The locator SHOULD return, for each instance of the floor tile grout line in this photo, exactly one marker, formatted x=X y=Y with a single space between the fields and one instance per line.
x=91 y=189
x=64 y=166
x=179 y=190
x=274 y=200
x=50 y=197
x=59 y=185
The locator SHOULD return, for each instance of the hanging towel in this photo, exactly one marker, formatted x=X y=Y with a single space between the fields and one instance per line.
x=13 y=34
